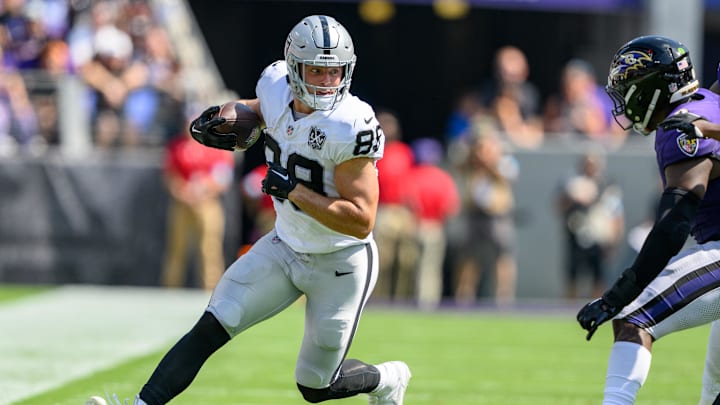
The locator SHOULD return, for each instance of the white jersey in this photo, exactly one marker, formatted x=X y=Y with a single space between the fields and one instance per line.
x=310 y=148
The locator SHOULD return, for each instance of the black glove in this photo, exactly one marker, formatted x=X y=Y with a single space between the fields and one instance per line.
x=683 y=122
x=202 y=131
x=594 y=314
x=278 y=182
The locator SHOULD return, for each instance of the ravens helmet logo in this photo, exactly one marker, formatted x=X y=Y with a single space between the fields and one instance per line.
x=631 y=63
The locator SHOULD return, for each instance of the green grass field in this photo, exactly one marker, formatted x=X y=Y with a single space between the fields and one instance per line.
x=457 y=358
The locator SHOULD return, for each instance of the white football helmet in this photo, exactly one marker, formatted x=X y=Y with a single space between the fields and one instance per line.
x=319 y=40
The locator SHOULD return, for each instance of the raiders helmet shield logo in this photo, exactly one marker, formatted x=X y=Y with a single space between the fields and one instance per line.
x=316 y=140
x=687 y=146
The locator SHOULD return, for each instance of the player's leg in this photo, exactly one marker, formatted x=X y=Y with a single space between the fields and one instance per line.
x=684 y=295
x=334 y=304
x=181 y=364
x=628 y=363
x=253 y=289
x=711 y=372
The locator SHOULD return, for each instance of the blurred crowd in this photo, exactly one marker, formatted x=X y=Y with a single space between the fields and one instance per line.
x=134 y=95
x=116 y=48
x=488 y=125
x=506 y=114
x=446 y=221
x=578 y=110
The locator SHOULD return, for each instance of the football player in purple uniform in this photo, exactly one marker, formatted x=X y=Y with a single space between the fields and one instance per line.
x=321 y=145
x=667 y=288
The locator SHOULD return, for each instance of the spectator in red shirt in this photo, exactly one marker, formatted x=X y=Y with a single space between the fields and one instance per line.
x=434 y=198
x=196 y=177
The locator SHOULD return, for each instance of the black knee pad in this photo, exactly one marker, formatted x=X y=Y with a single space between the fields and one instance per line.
x=355 y=377
x=315 y=395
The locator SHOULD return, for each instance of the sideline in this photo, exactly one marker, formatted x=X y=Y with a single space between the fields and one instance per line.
x=70 y=332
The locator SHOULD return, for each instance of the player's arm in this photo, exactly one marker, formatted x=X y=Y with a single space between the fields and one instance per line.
x=254 y=104
x=691 y=124
x=708 y=129
x=685 y=187
x=353 y=213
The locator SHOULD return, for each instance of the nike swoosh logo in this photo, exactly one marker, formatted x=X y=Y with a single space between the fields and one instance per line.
x=282 y=176
x=367 y=121
x=195 y=130
x=338 y=273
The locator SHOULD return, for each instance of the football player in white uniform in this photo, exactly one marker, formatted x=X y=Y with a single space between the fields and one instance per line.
x=321 y=145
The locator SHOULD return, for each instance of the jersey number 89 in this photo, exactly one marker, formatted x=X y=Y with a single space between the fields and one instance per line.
x=367 y=141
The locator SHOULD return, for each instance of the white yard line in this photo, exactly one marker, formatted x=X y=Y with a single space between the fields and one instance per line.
x=68 y=333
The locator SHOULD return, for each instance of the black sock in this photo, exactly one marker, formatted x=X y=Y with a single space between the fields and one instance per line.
x=182 y=363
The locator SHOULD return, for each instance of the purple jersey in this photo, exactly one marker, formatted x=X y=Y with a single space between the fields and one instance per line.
x=673 y=146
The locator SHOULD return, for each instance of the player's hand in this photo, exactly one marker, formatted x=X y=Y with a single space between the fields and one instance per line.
x=683 y=122
x=202 y=131
x=278 y=182
x=594 y=314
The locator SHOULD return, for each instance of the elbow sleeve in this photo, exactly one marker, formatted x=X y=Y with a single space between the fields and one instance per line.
x=672 y=227
x=675 y=216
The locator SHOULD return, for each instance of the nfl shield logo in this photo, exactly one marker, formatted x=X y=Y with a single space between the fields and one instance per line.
x=316 y=140
x=687 y=146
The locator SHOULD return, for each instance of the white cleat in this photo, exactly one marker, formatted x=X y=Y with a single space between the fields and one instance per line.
x=96 y=400
x=394 y=378
x=108 y=400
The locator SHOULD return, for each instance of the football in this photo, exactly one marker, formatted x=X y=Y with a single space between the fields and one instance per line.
x=241 y=121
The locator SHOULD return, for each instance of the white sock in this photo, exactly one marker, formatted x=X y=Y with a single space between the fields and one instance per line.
x=139 y=401
x=711 y=373
x=385 y=377
x=628 y=368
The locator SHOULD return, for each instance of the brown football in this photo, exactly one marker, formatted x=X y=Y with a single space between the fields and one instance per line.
x=240 y=120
